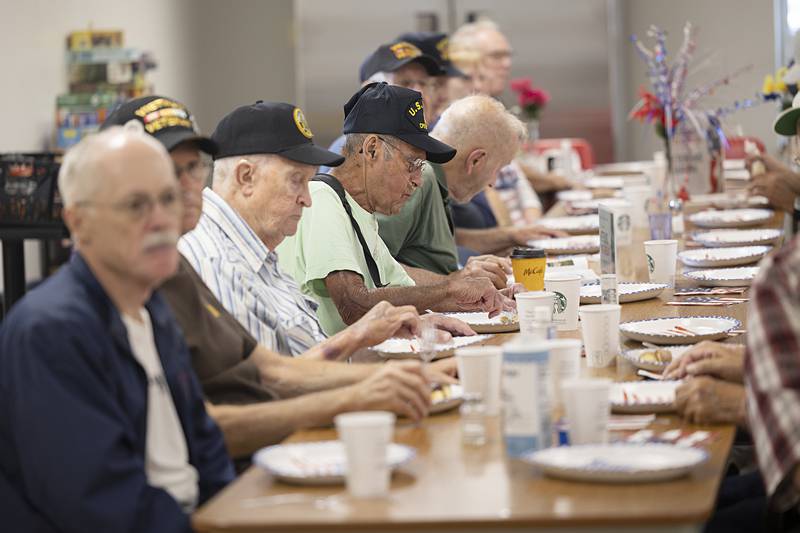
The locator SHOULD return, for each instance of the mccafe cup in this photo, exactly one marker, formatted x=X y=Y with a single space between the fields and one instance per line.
x=528 y=265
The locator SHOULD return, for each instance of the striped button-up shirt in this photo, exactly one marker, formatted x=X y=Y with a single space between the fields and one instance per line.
x=244 y=275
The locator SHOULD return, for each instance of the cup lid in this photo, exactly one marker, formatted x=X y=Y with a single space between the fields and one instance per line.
x=527 y=253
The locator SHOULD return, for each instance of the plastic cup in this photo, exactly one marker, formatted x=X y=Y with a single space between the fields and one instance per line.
x=479 y=371
x=638 y=195
x=662 y=256
x=587 y=407
x=600 y=330
x=565 y=363
x=526 y=303
x=366 y=436
x=529 y=265
x=566 y=289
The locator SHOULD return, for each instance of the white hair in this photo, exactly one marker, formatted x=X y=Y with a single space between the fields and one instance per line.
x=378 y=77
x=479 y=121
x=226 y=166
x=466 y=39
x=80 y=175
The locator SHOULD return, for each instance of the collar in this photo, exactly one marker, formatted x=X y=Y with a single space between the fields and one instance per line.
x=231 y=223
x=441 y=180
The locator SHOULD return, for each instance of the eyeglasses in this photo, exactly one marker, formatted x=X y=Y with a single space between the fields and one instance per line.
x=415 y=164
x=140 y=206
x=499 y=55
x=197 y=170
x=408 y=83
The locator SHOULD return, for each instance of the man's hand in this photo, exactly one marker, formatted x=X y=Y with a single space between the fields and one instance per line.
x=522 y=235
x=496 y=269
x=705 y=400
x=476 y=294
x=441 y=371
x=447 y=326
x=777 y=187
x=399 y=386
x=512 y=290
x=383 y=321
x=723 y=361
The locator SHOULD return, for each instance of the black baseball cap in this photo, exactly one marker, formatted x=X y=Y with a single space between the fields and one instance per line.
x=270 y=128
x=392 y=56
x=395 y=111
x=165 y=119
x=436 y=45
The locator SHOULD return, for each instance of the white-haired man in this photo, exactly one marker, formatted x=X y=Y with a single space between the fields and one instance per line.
x=102 y=424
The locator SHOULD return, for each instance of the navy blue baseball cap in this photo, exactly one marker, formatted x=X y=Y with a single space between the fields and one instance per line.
x=392 y=56
x=395 y=111
x=436 y=45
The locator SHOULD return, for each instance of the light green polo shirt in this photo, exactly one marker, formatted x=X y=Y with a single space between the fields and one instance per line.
x=421 y=234
x=325 y=242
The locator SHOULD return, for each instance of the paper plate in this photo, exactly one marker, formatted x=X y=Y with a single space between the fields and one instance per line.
x=574 y=195
x=733 y=237
x=481 y=323
x=577 y=225
x=724 y=277
x=648 y=359
x=691 y=329
x=627 y=292
x=580 y=244
x=604 y=182
x=446 y=398
x=318 y=463
x=723 y=257
x=638 y=397
x=731 y=218
x=396 y=348
x=592 y=206
x=618 y=463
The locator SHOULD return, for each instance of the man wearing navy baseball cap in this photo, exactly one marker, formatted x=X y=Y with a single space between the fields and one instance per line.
x=337 y=256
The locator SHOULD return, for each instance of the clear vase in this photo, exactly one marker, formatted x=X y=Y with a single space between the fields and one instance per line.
x=533 y=129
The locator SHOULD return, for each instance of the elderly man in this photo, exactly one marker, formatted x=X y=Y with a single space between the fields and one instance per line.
x=387 y=140
x=241 y=378
x=486 y=137
x=102 y=424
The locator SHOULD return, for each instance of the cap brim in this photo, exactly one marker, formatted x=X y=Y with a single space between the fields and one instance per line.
x=453 y=71
x=786 y=123
x=171 y=139
x=435 y=151
x=311 y=154
x=431 y=66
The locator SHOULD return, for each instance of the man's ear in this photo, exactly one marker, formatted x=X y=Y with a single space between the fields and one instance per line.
x=476 y=161
x=245 y=173
x=370 y=146
x=75 y=219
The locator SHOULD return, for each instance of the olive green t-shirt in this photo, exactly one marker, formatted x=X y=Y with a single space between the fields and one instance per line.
x=421 y=234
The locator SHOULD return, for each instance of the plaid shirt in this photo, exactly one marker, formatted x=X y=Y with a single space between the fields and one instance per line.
x=516 y=192
x=772 y=372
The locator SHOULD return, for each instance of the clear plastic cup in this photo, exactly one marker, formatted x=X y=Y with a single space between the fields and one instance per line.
x=587 y=409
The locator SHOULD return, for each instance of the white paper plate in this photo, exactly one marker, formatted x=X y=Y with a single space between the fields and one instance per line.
x=574 y=195
x=579 y=244
x=625 y=167
x=576 y=225
x=724 y=277
x=731 y=218
x=604 y=182
x=481 y=323
x=592 y=206
x=635 y=357
x=723 y=257
x=637 y=397
x=396 y=348
x=453 y=396
x=734 y=237
x=660 y=330
x=618 y=463
x=627 y=292
x=318 y=463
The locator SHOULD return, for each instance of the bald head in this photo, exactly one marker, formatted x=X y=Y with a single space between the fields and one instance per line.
x=485 y=39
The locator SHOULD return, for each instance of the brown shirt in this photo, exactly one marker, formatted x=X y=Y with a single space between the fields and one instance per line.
x=219 y=345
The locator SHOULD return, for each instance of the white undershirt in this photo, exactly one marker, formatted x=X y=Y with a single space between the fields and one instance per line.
x=166 y=456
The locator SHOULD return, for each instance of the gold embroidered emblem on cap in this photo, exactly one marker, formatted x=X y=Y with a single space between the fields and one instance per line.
x=162 y=113
x=413 y=110
x=404 y=50
x=444 y=48
x=300 y=122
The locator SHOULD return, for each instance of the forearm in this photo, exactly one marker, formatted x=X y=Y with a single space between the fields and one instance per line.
x=485 y=241
x=246 y=428
x=358 y=300
x=424 y=277
x=335 y=348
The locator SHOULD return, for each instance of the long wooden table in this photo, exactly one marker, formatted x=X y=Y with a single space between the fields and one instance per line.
x=451 y=486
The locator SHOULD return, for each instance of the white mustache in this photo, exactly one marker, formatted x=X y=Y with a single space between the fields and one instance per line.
x=161 y=238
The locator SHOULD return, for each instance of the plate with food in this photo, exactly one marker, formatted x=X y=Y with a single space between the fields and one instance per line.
x=626 y=292
x=654 y=359
x=319 y=463
x=574 y=195
x=724 y=277
x=604 y=182
x=639 y=397
x=579 y=244
x=505 y=322
x=737 y=237
x=445 y=397
x=731 y=218
x=723 y=257
x=617 y=463
x=575 y=225
x=680 y=330
x=398 y=348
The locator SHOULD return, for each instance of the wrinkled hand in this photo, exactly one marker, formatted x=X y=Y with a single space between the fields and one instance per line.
x=441 y=371
x=723 y=361
x=512 y=290
x=399 y=386
x=383 y=321
x=494 y=268
x=522 y=235
x=477 y=294
x=770 y=163
x=447 y=327
x=705 y=400
x=780 y=188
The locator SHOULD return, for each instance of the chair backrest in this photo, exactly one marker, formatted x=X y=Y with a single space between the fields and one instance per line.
x=581 y=147
x=735 y=148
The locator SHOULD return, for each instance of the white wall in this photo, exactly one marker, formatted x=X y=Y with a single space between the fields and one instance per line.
x=733 y=33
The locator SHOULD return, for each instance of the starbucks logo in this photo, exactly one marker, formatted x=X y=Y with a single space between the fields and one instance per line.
x=624 y=223
x=559 y=303
x=651 y=265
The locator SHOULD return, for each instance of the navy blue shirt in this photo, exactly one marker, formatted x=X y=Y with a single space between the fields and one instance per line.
x=73 y=414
